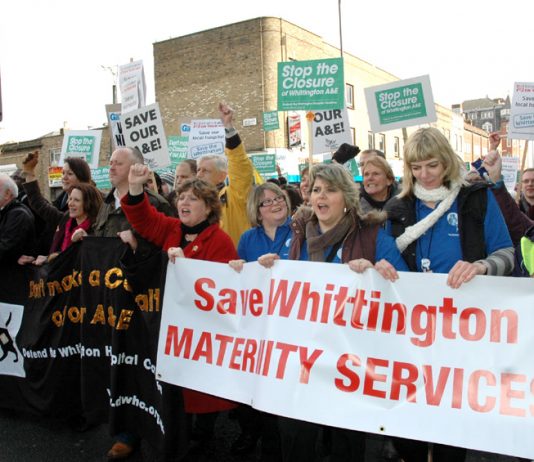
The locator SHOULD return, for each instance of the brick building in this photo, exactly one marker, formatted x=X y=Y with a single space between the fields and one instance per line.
x=238 y=63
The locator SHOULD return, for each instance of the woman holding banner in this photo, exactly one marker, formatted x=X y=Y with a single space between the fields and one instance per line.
x=194 y=234
x=268 y=213
x=333 y=230
x=443 y=225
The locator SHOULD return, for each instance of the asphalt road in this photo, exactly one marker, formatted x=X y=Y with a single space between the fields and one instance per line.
x=30 y=439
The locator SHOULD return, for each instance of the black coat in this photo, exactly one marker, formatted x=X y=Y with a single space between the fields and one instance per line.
x=17 y=232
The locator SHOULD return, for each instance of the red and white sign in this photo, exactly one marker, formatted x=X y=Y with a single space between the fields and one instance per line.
x=318 y=342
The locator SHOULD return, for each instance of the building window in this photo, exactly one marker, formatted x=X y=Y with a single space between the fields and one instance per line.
x=55 y=154
x=396 y=146
x=505 y=112
x=486 y=115
x=349 y=96
x=487 y=126
x=382 y=142
x=472 y=115
x=370 y=140
x=353 y=135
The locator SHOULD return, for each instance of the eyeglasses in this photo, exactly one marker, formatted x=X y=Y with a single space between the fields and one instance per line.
x=269 y=202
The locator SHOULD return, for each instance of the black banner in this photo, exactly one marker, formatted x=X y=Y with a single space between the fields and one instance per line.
x=88 y=342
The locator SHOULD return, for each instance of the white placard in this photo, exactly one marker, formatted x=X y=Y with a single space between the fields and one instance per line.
x=132 y=86
x=330 y=130
x=144 y=130
x=521 y=125
x=510 y=167
x=206 y=137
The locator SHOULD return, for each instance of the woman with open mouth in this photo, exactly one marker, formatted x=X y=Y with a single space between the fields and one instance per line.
x=194 y=234
x=333 y=230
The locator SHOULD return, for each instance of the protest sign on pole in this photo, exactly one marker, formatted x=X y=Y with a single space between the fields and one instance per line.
x=206 y=137
x=81 y=143
x=311 y=85
x=143 y=129
x=400 y=104
x=521 y=125
x=132 y=85
x=270 y=121
x=113 y=112
x=290 y=342
x=294 y=129
x=510 y=168
x=330 y=130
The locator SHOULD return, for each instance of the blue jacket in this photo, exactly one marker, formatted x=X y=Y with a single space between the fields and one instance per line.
x=254 y=243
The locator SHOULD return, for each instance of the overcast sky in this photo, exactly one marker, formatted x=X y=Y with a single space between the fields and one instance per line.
x=52 y=52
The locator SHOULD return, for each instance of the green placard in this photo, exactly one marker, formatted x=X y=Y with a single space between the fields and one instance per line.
x=311 y=85
x=265 y=164
x=177 y=152
x=83 y=146
x=270 y=121
x=100 y=176
x=400 y=104
x=353 y=167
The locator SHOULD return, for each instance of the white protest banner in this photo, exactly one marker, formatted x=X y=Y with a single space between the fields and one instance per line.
x=206 y=136
x=510 y=167
x=399 y=104
x=11 y=358
x=521 y=126
x=81 y=143
x=330 y=130
x=143 y=129
x=318 y=342
x=113 y=112
x=132 y=86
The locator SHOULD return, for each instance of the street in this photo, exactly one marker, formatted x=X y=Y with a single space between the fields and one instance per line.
x=30 y=439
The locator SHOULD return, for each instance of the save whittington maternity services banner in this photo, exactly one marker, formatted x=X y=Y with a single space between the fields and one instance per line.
x=414 y=358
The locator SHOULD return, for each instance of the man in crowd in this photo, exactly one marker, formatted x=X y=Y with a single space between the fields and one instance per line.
x=236 y=169
x=526 y=203
x=111 y=219
x=17 y=232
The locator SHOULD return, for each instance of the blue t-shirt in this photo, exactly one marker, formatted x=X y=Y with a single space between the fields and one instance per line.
x=254 y=242
x=441 y=243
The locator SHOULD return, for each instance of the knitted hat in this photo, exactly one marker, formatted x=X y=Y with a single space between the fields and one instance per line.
x=345 y=153
x=167 y=178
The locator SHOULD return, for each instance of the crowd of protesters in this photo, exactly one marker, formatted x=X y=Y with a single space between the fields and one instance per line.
x=436 y=220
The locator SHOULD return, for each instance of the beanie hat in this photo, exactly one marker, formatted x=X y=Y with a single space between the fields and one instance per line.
x=167 y=178
x=345 y=153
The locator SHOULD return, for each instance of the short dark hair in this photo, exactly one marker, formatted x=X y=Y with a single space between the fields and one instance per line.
x=295 y=199
x=207 y=193
x=80 y=168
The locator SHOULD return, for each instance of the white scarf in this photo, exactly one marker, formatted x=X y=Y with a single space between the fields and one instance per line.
x=445 y=195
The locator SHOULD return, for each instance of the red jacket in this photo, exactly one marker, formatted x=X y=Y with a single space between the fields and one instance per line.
x=212 y=244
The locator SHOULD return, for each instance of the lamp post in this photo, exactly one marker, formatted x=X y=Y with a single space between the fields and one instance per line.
x=340 y=28
x=114 y=74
